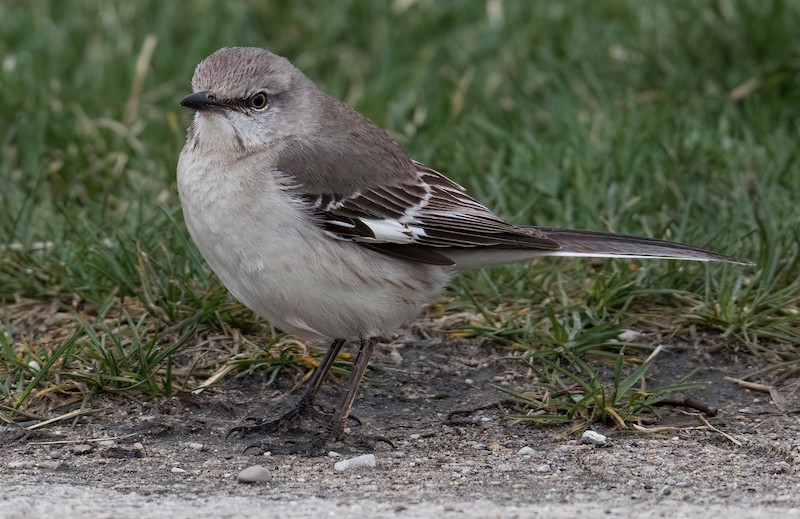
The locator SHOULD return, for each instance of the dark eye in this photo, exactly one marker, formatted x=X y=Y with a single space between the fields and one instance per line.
x=258 y=101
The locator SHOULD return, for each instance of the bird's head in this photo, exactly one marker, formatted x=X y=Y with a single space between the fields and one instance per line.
x=247 y=98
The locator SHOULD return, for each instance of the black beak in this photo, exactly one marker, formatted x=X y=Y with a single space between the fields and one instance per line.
x=200 y=101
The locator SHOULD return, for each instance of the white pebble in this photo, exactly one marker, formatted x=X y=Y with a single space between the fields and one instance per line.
x=34 y=365
x=253 y=474
x=196 y=446
x=594 y=438
x=334 y=454
x=628 y=335
x=544 y=468
x=415 y=436
x=525 y=451
x=367 y=460
x=176 y=470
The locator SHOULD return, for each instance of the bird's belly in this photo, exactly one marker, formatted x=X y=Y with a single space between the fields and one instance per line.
x=277 y=261
x=324 y=290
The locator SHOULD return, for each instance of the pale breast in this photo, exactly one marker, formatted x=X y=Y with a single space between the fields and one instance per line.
x=276 y=260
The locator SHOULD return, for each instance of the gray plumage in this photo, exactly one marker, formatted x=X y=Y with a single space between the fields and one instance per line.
x=316 y=219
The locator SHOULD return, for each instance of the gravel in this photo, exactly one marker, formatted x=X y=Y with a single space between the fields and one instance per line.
x=253 y=474
x=364 y=461
x=594 y=438
x=684 y=469
x=81 y=449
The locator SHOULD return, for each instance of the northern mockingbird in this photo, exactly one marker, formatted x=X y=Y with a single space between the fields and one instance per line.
x=312 y=216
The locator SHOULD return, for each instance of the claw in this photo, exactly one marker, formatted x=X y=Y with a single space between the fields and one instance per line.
x=372 y=440
x=315 y=446
x=261 y=425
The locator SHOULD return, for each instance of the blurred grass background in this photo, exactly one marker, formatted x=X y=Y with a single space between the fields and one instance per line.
x=672 y=119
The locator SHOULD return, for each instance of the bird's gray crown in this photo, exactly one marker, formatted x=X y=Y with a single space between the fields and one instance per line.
x=236 y=72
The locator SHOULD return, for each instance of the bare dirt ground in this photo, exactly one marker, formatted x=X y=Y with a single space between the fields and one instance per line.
x=183 y=465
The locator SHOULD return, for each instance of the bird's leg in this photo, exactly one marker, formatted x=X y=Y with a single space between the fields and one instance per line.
x=304 y=404
x=316 y=445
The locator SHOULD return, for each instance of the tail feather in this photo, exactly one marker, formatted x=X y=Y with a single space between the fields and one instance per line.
x=604 y=244
x=577 y=243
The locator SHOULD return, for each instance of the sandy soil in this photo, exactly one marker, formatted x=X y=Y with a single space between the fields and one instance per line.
x=170 y=457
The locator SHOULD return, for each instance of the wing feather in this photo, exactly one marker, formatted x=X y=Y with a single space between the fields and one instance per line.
x=423 y=210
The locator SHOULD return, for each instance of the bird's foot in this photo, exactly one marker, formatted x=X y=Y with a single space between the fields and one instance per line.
x=314 y=446
x=368 y=441
x=317 y=445
x=284 y=422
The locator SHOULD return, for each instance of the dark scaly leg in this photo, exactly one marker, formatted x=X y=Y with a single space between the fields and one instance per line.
x=316 y=444
x=304 y=404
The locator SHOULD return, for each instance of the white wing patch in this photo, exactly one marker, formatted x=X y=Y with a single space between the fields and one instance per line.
x=426 y=209
x=392 y=231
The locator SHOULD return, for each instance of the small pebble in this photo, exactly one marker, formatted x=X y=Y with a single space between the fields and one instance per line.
x=253 y=474
x=83 y=448
x=106 y=443
x=525 y=451
x=469 y=381
x=398 y=454
x=196 y=446
x=628 y=335
x=34 y=365
x=138 y=446
x=415 y=436
x=176 y=470
x=370 y=488
x=544 y=468
x=367 y=460
x=334 y=454
x=55 y=453
x=594 y=438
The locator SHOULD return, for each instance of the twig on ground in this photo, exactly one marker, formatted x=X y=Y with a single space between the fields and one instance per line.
x=67 y=416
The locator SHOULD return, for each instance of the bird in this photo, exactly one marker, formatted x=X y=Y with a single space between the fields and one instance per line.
x=315 y=218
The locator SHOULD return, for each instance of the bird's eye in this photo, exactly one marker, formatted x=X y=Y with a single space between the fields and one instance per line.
x=258 y=101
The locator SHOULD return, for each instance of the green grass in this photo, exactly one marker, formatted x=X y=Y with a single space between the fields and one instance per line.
x=675 y=120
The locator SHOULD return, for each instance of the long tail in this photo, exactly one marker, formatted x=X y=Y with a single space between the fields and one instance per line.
x=593 y=244
x=610 y=245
